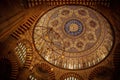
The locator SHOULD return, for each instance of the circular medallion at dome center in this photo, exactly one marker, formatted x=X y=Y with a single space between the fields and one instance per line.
x=73 y=27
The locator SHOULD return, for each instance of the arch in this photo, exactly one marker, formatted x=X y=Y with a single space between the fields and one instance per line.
x=103 y=73
x=9 y=63
x=24 y=52
x=45 y=71
x=68 y=76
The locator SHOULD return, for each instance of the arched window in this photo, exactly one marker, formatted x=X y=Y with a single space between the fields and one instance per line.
x=71 y=78
x=31 y=77
x=21 y=52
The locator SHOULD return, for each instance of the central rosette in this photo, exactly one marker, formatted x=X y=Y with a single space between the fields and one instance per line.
x=73 y=27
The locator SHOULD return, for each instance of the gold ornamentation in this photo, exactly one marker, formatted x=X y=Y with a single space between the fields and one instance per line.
x=70 y=49
x=65 y=12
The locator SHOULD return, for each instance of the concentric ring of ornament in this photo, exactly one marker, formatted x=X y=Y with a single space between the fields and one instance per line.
x=73 y=27
x=73 y=37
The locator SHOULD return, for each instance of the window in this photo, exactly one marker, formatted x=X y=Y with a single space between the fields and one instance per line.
x=21 y=52
x=71 y=78
x=31 y=77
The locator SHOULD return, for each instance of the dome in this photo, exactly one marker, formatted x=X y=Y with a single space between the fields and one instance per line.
x=73 y=37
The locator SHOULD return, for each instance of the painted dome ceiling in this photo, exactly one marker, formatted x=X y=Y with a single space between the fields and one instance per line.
x=73 y=37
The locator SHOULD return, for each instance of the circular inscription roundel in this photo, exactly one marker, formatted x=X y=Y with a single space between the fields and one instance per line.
x=73 y=37
x=73 y=27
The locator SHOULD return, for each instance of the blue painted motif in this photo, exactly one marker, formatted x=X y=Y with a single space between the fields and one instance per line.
x=73 y=33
